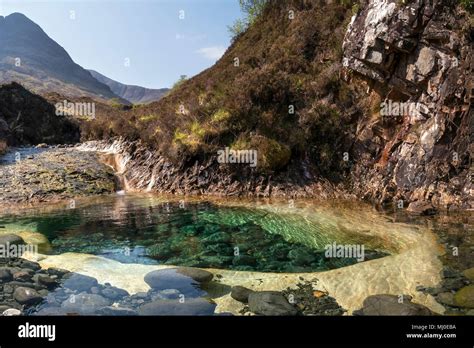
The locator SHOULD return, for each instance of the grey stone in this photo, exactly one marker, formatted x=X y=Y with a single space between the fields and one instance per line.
x=79 y=282
x=166 y=294
x=240 y=293
x=270 y=303
x=52 y=311
x=27 y=296
x=47 y=281
x=385 y=304
x=176 y=278
x=5 y=275
x=57 y=271
x=85 y=304
x=197 y=274
x=114 y=293
x=11 y=239
x=446 y=298
x=23 y=276
x=116 y=311
x=30 y=265
x=193 y=306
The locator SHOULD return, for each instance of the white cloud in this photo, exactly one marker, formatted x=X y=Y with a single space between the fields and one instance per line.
x=213 y=53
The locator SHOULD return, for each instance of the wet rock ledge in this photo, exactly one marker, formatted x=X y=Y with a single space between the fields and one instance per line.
x=52 y=174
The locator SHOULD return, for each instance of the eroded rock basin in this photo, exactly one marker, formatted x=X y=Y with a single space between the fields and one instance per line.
x=261 y=245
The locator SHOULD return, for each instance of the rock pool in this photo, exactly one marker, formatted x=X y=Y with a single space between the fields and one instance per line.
x=263 y=245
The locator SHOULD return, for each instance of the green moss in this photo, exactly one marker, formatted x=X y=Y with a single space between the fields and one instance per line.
x=355 y=8
x=271 y=154
x=115 y=103
x=192 y=139
x=197 y=130
x=220 y=116
x=147 y=118
x=179 y=136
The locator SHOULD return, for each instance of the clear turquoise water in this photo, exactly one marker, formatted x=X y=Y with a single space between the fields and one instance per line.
x=134 y=229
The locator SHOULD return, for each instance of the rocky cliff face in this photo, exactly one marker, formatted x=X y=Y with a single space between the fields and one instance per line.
x=417 y=60
x=141 y=169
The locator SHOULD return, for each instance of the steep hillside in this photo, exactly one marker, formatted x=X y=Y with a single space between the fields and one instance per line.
x=133 y=94
x=30 y=57
x=305 y=86
x=28 y=119
x=281 y=74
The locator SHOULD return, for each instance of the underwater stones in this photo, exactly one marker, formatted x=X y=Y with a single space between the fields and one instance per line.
x=167 y=294
x=197 y=274
x=454 y=283
x=160 y=251
x=79 y=282
x=116 y=311
x=240 y=293
x=192 y=306
x=279 y=251
x=85 y=304
x=270 y=303
x=37 y=239
x=218 y=249
x=213 y=261
x=465 y=297
x=446 y=298
x=189 y=230
x=469 y=273
x=27 y=296
x=244 y=260
x=301 y=257
x=114 y=293
x=219 y=237
x=176 y=278
x=385 y=304
x=52 y=311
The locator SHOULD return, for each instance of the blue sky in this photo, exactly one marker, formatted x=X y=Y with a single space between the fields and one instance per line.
x=149 y=34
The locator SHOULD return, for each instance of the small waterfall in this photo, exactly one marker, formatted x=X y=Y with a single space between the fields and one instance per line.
x=116 y=156
x=112 y=156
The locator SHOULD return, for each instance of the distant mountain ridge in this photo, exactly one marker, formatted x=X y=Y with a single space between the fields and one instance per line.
x=30 y=57
x=134 y=94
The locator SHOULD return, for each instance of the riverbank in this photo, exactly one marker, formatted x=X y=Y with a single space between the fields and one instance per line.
x=414 y=263
x=422 y=266
x=35 y=175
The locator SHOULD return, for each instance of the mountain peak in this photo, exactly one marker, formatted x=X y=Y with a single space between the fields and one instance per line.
x=47 y=65
x=17 y=18
x=134 y=94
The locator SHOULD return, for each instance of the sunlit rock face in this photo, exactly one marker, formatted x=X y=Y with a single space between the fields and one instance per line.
x=416 y=57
